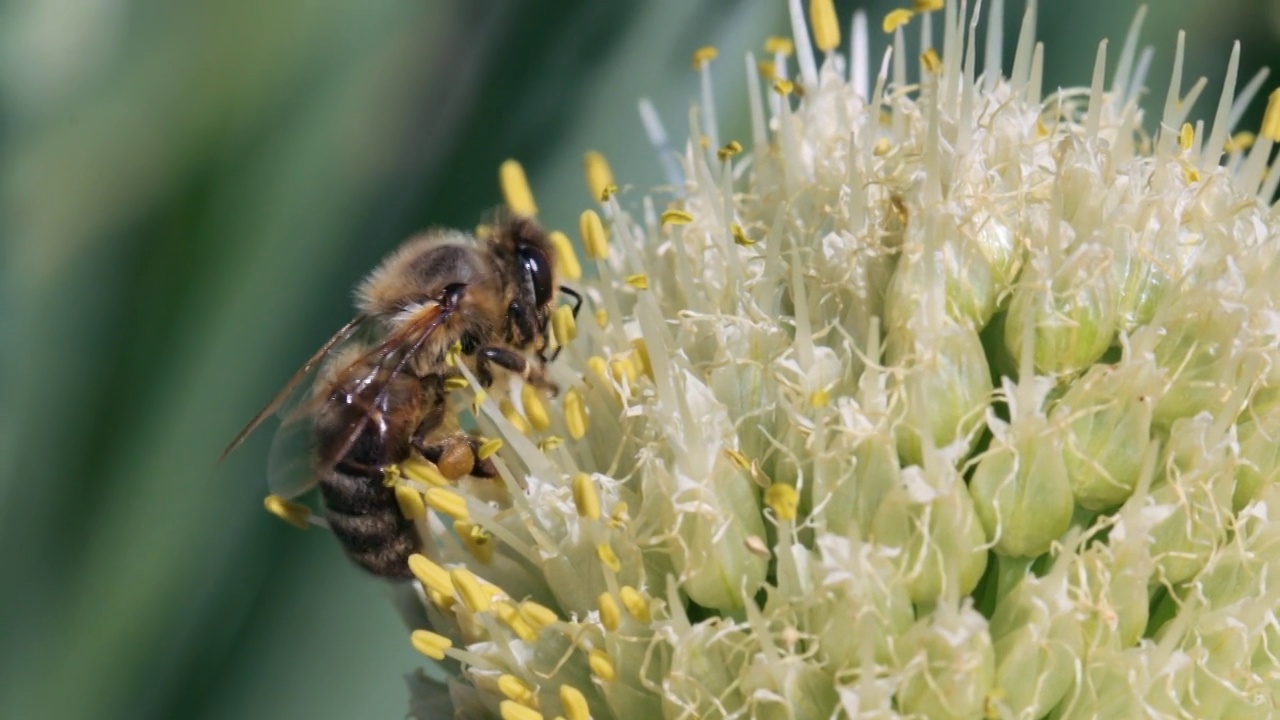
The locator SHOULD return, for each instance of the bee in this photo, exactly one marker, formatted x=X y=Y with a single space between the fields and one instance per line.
x=375 y=403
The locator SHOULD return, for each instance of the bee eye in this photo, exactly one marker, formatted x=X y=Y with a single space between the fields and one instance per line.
x=538 y=268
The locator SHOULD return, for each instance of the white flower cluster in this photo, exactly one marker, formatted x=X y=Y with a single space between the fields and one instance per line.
x=942 y=399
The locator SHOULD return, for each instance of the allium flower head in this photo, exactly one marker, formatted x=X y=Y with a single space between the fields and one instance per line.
x=940 y=395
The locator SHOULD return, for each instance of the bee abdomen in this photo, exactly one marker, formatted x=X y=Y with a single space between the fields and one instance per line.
x=367 y=521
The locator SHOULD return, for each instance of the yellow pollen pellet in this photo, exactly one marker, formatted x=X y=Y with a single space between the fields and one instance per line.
x=515 y=189
x=512 y=710
x=931 y=61
x=639 y=281
x=575 y=414
x=784 y=500
x=767 y=69
x=676 y=217
x=423 y=471
x=446 y=501
x=635 y=603
x=783 y=87
x=431 y=575
x=704 y=55
x=1271 y=118
x=599 y=176
x=731 y=148
x=826 y=28
x=740 y=235
x=513 y=416
x=897 y=18
x=550 y=442
x=610 y=615
x=537 y=616
x=391 y=476
x=820 y=398
x=488 y=448
x=924 y=6
x=451 y=357
x=602 y=318
x=430 y=644
x=481 y=396
x=593 y=236
x=601 y=665
x=534 y=408
x=516 y=689
x=468 y=588
x=456 y=383
x=775 y=44
x=608 y=557
x=566 y=259
x=296 y=514
x=563 y=326
x=640 y=353
x=585 y=497
x=738 y=459
x=1186 y=136
x=1239 y=142
x=575 y=703
x=410 y=502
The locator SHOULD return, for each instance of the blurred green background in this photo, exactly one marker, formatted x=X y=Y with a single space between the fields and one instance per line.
x=189 y=191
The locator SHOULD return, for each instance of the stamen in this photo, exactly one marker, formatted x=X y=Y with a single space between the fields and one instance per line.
x=602 y=318
x=1239 y=142
x=607 y=556
x=639 y=281
x=575 y=414
x=610 y=615
x=640 y=357
x=575 y=703
x=448 y=502
x=1186 y=136
x=676 y=217
x=1271 y=118
x=593 y=236
x=510 y=614
x=585 y=497
x=456 y=383
x=512 y=710
x=635 y=603
x=566 y=259
x=601 y=665
x=430 y=644
x=804 y=51
x=513 y=416
x=478 y=541
x=410 y=502
x=783 y=87
x=926 y=6
x=777 y=44
x=515 y=189
x=537 y=616
x=740 y=235
x=731 y=148
x=296 y=514
x=423 y=471
x=826 y=28
x=469 y=590
x=534 y=408
x=704 y=55
x=784 y=500
x=516 y=689
x=431 y=575
x=488 y=448
x=896 y=19
x=599 y=176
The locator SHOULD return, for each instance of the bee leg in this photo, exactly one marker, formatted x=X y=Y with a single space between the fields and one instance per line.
x=515 y=362
x=457 y=455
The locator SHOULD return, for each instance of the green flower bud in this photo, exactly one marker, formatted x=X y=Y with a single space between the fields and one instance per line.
x=1196 y=346
x=1037 y=636
x=861 y=603
x=1259 y=438
x=789 y=688
x=978 y=264
x=948 y=665
x=707 y=662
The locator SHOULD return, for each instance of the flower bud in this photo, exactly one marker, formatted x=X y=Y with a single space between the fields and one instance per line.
x=949 y=666
x=1196 y=346
x=1259 y=438
x=860 y=602
x=1037 y=638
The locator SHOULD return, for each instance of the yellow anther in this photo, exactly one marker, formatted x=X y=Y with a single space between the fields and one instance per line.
x=444 y=500
x=585 y=497
x=516 y=689
x=704 y=55
x=676 y=217
x=783 y=87
x=575 y=414
x=550 y=442
x=537 y=616
x=639 y=281
x=1042 y=130
x=430 y=644
x=826 y=28
x=731 y=148
x=1186 y=136
x=897 y=18
x=740 y=235
x=1271 y=118
x=619 y=517
x=444 y=603
x=609 y=191
x=784 y=500
x=477 y=540
x=767 y=69
x=640 y=355
x=602 y=318
x=513 y=416
x=882 y=147
x=1239 y=142
x=423 y=471
x=599 y=176
x=469 y=590
x=775 y=44
x=1190 y=173
x=456 y=383
x=534 y=408
x=515 y=189
x=635 y=603
x=563 y=326
x=410 y=502
x=601 y=665
x=610 y=615
x=608 y=557
x=741 y=461
x=593 y=236
x=566 y=259
x=931 y=60
x=819 y=398
x=432 y=576
x=509 y=614
x=924 y=6
x=599 y=366
x=622 y=368
x=575 y=703
x=488 y=448
x=296 y=514
x=512 y=710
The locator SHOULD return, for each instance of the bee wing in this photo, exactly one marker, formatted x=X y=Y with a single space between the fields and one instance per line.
x=291 y=469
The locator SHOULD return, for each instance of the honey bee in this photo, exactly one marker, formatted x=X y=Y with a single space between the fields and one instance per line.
x=374 y=403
